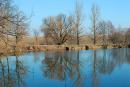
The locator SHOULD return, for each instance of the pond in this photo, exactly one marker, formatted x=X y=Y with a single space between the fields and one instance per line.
x=86 y=68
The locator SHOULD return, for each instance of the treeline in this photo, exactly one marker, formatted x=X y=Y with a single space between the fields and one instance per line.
x=62 y=29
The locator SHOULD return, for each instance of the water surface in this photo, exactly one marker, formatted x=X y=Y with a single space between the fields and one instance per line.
x=87 y=68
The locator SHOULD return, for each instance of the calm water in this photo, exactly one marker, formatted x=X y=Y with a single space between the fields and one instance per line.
x=98 y=68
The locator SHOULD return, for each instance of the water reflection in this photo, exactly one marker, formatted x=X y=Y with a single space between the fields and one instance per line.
x=21 y=71
x=60 y=65
x=69 y=69
x=12 y=76
x=109 y=59
x=94 y=70
x=105 y=61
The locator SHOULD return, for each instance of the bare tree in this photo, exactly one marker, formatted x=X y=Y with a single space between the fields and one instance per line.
x=102 y=30
x=4 y=14
x=110 y=28
x=45 y=33
x=6 y=17
x=13 y=24
x=19 y=28
x=127 y=37
x=36 y=35
x=94 y=19
x=117 y=36
x=58 y=28
x=78 y=20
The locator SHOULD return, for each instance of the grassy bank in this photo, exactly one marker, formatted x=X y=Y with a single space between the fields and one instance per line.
x=32 y=48
x=70 y=47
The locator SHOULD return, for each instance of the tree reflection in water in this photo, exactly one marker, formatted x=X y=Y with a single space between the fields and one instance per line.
x=20 y=72
x=6 y=77
x=106 y=60
x=72 y=68
x=11 y=76
x=94 y=70
x=60 y=65
x=63 y=66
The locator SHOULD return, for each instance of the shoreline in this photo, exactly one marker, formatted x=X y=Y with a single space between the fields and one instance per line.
x=36 y=48
x=70 y=47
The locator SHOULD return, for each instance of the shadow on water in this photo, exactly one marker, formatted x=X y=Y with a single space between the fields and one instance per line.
x=73 y=68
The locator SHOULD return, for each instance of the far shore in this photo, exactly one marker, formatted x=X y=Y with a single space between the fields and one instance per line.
x=71 y=47
x=35 y=48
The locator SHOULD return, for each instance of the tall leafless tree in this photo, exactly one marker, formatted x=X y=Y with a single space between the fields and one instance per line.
x=46 y=33
x=36 y=36
x=19 y=29
x=94 y=20
x=78 y=20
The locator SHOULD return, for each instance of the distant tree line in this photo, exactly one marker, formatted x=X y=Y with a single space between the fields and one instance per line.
x=70 y=29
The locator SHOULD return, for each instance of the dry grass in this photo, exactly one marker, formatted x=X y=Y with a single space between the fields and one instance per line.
x=29 y=43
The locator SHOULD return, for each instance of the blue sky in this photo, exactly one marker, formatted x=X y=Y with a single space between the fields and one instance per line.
x=117 y=11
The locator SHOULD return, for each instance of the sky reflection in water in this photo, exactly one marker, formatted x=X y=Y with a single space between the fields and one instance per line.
x=91 y=68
